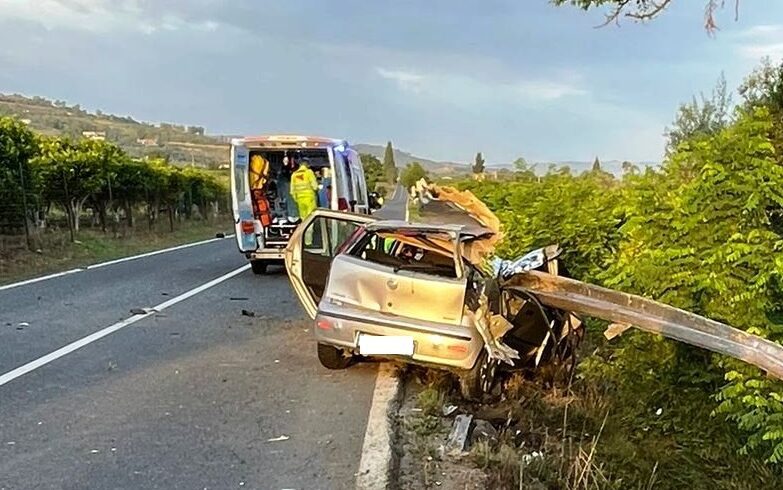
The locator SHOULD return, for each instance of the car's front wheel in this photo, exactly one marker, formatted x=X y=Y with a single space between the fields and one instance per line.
x=333 y=358
x=480 y=379
x=258 y=266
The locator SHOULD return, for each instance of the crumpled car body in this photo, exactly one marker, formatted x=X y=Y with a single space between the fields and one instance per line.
x=409 y=291
x=433 y=294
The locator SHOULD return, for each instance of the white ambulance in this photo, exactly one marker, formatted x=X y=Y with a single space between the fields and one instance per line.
x=265 y=213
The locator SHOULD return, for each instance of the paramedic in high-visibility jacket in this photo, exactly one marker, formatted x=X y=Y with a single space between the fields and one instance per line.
x=304 y=186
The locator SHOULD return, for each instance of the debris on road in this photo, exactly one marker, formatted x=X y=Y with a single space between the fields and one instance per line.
x=278 y=439
x=237 y=298
x=24 y=324
x=448 y=410
x=142 y=311
x=483 y=431
x=249 y=313
x=458 y=437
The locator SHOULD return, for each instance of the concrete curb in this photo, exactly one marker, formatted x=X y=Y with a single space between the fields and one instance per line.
x=378 y=457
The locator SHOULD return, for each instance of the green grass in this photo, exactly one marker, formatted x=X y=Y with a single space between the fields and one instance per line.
x=57 y=253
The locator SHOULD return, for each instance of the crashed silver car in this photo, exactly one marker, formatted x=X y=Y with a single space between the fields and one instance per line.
x=434 y=294
x=409 y=291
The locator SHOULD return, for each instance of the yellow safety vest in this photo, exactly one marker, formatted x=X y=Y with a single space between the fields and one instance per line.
x=303 y=181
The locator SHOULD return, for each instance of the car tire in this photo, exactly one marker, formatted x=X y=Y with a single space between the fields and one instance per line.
x=333 y=358
x=258 y=266
x=480 y=379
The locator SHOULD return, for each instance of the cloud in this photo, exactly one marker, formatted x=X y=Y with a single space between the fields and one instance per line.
x=103 y=16
x=462 y=89
x=547 y=90
x=760 y=41
x=405 y=80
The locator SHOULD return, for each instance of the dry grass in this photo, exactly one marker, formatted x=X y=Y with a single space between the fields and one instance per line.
x=57 y=253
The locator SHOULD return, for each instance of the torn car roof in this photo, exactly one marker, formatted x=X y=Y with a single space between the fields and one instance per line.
x=402 y=226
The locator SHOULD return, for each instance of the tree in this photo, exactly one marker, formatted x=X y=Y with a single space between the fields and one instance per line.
x=373 y=170
x=412 y=173
x=629 y=168
x=703 y=117
x=389 y=167
x=596 y=165
x=107 y=158
x=18 y=145
x=524 y=169
x=71 y=175
x=478 y=166
x=643 y=10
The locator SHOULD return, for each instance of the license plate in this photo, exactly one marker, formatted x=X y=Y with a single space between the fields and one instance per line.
x=385 y=345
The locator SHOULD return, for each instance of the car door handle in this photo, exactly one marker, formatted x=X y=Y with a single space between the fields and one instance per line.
x=392 y=284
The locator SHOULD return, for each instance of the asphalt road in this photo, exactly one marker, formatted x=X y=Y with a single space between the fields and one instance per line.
x=188 y=398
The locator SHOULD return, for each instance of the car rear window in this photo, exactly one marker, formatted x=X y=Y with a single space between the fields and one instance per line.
x=411 y=253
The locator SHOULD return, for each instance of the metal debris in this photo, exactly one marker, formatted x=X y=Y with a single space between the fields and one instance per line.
x=448 y=410
x=458 y=437
x=278 y=439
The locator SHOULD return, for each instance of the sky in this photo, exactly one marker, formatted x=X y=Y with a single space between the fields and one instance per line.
x=442 y=79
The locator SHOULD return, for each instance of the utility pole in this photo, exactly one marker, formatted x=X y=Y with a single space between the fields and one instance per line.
x=24 y=205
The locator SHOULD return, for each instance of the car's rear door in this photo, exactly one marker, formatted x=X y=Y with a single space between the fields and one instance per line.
x=311 y=249
x=241 y=200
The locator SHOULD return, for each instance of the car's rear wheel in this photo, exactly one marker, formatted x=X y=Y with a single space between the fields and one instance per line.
x=480 y=379
x=333 y=358
x=259 y=266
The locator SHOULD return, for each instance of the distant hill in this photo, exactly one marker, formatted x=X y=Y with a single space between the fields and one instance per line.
x=184 y=145
x=403 y=158
x=177 y=143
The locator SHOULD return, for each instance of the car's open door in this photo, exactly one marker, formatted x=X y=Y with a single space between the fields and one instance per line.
x=241 y=201
x=311 y=249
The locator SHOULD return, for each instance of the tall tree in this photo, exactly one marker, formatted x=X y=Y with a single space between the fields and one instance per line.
x=389 y=167
x=596 y=165
x=478 y=165
x=703 y=117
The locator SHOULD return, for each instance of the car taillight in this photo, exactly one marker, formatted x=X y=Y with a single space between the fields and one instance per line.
x=248 y=227
x=323 y=324
x=342 y=204
x=458 y=348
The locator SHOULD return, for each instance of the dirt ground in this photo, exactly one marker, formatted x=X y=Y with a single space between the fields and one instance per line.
x=421 y=436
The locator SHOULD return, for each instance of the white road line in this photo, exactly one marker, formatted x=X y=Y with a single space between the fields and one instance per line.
x=37 y=279
x=155 y=252
x=63 y=351
x=111 y=262
x=376 y=464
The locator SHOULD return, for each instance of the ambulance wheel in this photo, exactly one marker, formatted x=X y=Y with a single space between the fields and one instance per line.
x=258 y=266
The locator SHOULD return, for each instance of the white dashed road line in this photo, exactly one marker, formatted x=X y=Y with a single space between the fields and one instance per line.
x=156 y=252
x=38 y=279
x=63 y=351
